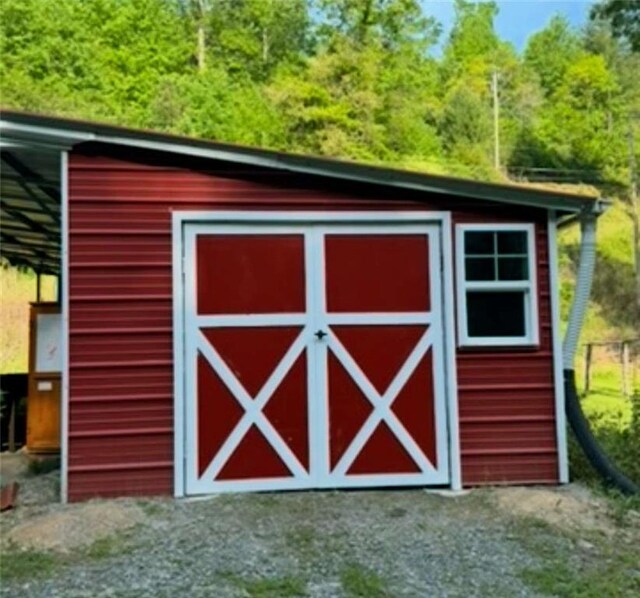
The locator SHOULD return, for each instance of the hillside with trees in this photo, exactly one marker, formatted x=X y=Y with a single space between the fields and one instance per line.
x=366 y=80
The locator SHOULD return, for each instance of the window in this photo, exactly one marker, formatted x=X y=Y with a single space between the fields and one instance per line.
x=496 y=285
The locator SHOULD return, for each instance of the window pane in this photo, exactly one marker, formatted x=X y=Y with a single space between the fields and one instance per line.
x=512 y=242
x=513 y=268
x=495 y=313
x=479 y=242
x=480 y=268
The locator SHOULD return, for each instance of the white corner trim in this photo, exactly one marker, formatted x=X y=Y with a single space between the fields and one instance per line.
x=532 y=326
x=64 y=282
x=178 y=358
x=449 y=327
x=558 y=373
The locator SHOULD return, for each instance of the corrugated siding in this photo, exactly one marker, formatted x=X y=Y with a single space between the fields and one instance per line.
x=506 y=402
x=121 y=376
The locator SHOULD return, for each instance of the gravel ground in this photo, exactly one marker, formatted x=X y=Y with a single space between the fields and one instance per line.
x=317 y=544
x=409 y=543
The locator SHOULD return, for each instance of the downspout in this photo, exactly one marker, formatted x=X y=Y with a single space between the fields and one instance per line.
x=611 y=475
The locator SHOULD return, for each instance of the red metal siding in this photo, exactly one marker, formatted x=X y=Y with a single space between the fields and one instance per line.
x=121 y=377
x=506 y=399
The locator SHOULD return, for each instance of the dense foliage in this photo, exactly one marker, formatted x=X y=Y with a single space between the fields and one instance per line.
x=351 y=78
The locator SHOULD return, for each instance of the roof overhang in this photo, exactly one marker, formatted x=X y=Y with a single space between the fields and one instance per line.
x=30 y=146
x=30 y=205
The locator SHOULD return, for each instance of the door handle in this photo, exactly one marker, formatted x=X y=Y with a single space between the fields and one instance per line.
x=320 y=334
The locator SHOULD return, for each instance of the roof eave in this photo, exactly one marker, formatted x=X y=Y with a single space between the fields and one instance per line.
x=67 y=137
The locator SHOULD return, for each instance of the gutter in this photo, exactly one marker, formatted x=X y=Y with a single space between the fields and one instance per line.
x=610 y=474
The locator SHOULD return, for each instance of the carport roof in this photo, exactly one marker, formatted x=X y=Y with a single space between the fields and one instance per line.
x=30 y=206
x=30 y=187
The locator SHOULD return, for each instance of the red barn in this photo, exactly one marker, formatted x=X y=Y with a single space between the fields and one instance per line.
x=237 y=319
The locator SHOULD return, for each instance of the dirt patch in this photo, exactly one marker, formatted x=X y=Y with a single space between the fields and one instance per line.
x=35 y=488
x=571 y=508
x=77 y=526
x=13 y=466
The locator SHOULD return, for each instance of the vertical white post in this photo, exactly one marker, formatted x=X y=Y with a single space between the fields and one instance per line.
x=449 y=327
x=178 y=356
x=625 y=369
x=64 y=297
x=587 y=368
x=558 y=374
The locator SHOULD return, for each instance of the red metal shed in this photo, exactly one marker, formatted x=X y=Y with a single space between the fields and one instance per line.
x=238 y=319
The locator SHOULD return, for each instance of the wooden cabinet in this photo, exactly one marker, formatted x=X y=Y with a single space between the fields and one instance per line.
x=45 y=365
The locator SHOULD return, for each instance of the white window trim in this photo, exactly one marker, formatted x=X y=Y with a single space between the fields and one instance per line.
x=531 y=337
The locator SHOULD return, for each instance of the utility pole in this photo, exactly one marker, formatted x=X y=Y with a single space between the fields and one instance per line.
x=635 y=213
x=496 y=120
x=200 y=9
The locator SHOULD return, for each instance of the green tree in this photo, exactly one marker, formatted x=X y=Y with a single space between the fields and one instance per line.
x=255 y=36
x=624 y=16
x=550 y=53
x=93 y=58
x=367 y=88
x=471 y=55
x=473 y=42
x=576 y=127
x=214 y=105
x=390 y=24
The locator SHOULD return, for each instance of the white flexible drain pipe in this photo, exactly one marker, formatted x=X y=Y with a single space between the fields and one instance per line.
x=584 y=281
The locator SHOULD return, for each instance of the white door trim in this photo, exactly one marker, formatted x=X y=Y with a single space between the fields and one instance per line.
x=278 y=222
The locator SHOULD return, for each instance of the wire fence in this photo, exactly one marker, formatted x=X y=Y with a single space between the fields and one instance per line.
x=623 y=355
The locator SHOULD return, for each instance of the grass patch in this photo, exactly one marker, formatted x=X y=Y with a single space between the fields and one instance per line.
x=151 y=508
x=107 y=547
x=615 y=421
x=311 y=549
x=620 y=506
x=277 y=587
x=44 y=465
x=358 y=582
x=301 y=539
x=16 y=565
x=603 y=577
x=611 y=568
x=19 y=565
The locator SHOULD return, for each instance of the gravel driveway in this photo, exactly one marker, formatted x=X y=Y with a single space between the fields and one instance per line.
x=318 y=544
x=400 y=543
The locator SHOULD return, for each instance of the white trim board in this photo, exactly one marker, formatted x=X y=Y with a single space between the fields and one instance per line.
x=64 y=282
x=449 y=328
x=308 y=217
x=558 y=373
x=178 y=357
x=259 y=219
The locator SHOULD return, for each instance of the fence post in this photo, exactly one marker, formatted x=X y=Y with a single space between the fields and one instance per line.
x=624 y=354
x=587 y=368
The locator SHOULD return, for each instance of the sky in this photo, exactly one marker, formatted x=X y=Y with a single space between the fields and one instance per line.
x=517 y=19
